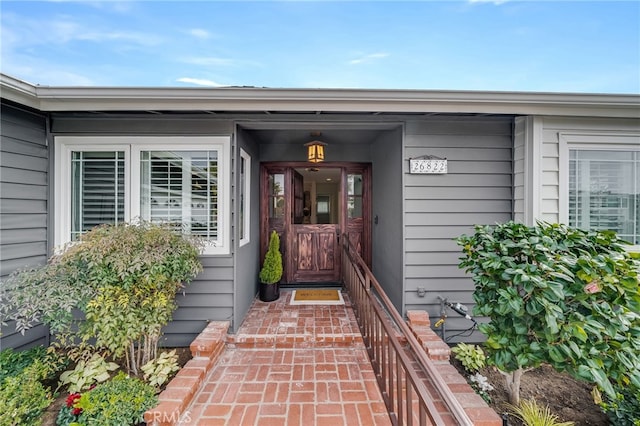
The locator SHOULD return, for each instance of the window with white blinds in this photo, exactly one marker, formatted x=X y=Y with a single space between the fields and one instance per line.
x=604 y=191
x=178 y=180
x=97 y=190
x=180 y=188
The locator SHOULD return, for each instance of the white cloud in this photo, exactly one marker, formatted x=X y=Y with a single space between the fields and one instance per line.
x=143 y=39
x=200 y=82
x=368 y=58
x=64 y=29
x=200 y=33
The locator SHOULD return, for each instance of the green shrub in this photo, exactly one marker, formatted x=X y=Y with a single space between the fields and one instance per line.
x=471 y=356
x=124 y=279
x=120 y=401
x=23 y=398
x=13 y=363
x=624 y=408
x=558 y=295
x=271 y=271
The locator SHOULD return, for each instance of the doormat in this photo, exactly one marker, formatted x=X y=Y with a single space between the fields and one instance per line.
x=316 y=297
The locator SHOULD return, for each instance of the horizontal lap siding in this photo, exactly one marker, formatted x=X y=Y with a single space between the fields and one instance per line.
x=478 y=189
x=23 y=204
x=209 y=297
x=551 y=196
x=519 y=170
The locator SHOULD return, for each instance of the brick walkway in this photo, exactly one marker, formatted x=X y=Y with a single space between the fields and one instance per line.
x=291 y=365
x=297 y=365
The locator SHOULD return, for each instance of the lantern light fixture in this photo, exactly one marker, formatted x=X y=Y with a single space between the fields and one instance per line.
x=315 y=149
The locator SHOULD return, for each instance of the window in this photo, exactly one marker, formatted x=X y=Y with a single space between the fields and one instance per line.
x=604 y=191
x=176 y=180
x=244 y=197
x=603 y=184
x=97 y=189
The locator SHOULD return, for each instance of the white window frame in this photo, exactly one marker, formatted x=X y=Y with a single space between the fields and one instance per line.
x=592 y=142
x=132 y=146
x=246 y=225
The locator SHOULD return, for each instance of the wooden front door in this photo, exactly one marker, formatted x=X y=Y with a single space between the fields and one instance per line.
x=311 y=209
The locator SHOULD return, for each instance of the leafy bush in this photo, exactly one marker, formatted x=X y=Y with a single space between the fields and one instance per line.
x=472 y=357
x=87 y=374
x=123 y=278
x=554 y=294
x=533 y=414
x=23 y=398
x=13 y=363
x=120 y=401
x=159 y=370
x=624 y=408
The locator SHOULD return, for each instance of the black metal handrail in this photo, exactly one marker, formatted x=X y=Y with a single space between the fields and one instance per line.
x=397 y=366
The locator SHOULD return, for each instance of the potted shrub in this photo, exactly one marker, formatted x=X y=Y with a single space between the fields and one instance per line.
x=271 y=271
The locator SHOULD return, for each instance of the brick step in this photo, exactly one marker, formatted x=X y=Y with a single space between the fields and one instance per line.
x=178 y=395
x=288 y=341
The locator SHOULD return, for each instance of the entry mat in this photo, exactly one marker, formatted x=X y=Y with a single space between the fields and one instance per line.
x=316 y=297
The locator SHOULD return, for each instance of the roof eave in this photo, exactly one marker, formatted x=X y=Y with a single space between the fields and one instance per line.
x=244 y=99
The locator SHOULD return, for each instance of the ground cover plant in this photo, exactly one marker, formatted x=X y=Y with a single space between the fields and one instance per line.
x=561 y=296
x=25 y=389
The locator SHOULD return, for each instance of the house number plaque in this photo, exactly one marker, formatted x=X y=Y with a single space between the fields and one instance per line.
x=428 y=166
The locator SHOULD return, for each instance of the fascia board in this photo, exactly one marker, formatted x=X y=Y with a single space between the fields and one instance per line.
x=235 y=99
x=18 y=91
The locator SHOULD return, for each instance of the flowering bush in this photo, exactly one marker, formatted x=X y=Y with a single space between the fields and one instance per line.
x=481 y=385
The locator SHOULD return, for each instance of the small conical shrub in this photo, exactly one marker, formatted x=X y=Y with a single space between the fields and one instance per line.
x=271 y=271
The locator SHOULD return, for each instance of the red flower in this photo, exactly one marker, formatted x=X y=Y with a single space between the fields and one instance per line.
x=76 y=411
x=71 y=399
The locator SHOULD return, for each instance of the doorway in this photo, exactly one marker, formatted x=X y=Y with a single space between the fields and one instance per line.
x=313 y=207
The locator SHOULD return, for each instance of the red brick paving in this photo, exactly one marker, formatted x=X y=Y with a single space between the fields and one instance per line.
x=297 y=365
x=291 y=365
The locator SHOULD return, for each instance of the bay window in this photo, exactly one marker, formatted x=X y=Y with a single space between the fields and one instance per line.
x=180 y=181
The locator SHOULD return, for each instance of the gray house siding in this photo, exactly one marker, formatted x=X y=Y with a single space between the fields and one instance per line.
x=23 y=203
x=246 y=259
x=210 y=297
x=387 y=259
x=477 y=189
x=548 y=183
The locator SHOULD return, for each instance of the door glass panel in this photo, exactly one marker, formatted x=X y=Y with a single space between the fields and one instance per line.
x=276 y=196
x=354 y=196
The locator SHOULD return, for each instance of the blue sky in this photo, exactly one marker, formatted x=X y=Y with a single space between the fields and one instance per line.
x=506 y=45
